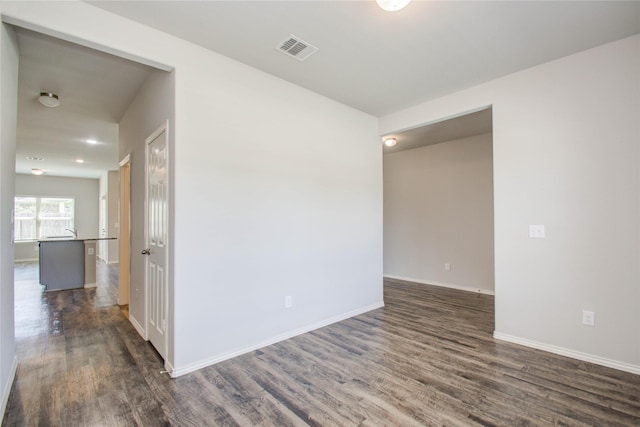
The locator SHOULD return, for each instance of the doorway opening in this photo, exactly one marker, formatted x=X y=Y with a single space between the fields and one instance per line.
x=81 y=141
x=124 y=239
x=438 y=204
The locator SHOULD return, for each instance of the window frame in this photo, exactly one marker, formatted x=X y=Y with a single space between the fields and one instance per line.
x=38 y=217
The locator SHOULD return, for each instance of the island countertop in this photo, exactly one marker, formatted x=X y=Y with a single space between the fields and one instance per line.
x=67 y=239
x=68 y=263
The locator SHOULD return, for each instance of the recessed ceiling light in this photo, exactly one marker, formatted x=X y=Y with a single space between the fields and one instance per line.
x=37 y=171
x=34 y=158
x=390 y=142
x=49 y=99
x=91 y=141
x=79 y=161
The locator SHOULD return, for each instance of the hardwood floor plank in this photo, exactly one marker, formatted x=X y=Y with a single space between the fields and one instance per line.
x=427 y=358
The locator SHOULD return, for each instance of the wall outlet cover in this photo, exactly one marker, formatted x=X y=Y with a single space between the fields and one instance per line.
x=588 y=318
x=537 y=232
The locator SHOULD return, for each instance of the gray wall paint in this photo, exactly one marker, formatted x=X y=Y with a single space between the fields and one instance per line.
x=151 y=108
x=566 y=144
x=8 y=118
x=84 y=190
x=438 y=208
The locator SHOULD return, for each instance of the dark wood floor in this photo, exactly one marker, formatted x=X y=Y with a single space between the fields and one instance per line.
x=427 y=358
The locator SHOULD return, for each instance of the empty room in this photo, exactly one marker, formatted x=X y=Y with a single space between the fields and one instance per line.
x=368 y=212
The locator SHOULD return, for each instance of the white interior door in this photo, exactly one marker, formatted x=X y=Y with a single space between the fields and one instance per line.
x=157 y=233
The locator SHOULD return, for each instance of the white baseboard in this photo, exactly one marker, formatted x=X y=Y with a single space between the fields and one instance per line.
x=113 y=262
x=442 y=285
x=609 y=363
x=217 y=359
x=26 y=260
x=138 y=327
x=90 y=285
x=6 y=390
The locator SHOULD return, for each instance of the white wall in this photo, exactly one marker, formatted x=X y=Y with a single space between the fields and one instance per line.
x=566 y=138
x=8 y=117
x=102 y=251
x=438 y=208
x=152 y=107
x=113 y=212
x=84 y=190
x=266 y=204
x=109 y=190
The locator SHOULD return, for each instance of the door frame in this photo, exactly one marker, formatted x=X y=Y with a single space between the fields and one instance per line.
x=124 y=231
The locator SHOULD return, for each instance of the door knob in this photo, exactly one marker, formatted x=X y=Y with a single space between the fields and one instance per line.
x=146 y=251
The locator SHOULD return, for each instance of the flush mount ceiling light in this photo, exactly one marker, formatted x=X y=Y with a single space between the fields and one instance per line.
x=392 y=5
x=49 y=99
x=79 y=161
x=34 y=158
x=390 y=142
x=37 y=171
x=91 y=141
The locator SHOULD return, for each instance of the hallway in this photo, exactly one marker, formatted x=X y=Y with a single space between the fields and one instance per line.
x=76 y=361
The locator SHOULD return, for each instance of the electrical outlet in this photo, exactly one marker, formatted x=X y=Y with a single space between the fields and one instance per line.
x=588 y=318
x=447 y=266
x=537 y=232
x=288 y=301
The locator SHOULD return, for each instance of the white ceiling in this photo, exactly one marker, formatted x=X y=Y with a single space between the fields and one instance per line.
x=378 y=62
x=94 y=89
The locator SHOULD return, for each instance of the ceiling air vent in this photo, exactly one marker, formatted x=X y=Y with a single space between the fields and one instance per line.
x=297 y=48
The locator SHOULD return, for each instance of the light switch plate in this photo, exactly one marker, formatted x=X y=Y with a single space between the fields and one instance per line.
x=536 y=231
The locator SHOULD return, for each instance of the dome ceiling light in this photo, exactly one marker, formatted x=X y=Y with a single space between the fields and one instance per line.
x=392 y=5
x=390 y=142
x=49 y=99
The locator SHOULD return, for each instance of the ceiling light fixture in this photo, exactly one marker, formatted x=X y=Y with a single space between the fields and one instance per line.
x=34 y=158
x=390 y=142
x=49 y=99
x=91 y=141
x=79 y=161
x=37 y=171
x=392 y=5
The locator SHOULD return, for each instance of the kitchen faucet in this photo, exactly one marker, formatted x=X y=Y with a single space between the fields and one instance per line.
x=74 y=231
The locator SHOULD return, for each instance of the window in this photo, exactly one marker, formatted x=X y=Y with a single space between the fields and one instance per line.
x=42 y=217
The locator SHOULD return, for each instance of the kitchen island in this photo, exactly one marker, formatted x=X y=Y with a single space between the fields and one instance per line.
x=68 y=263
